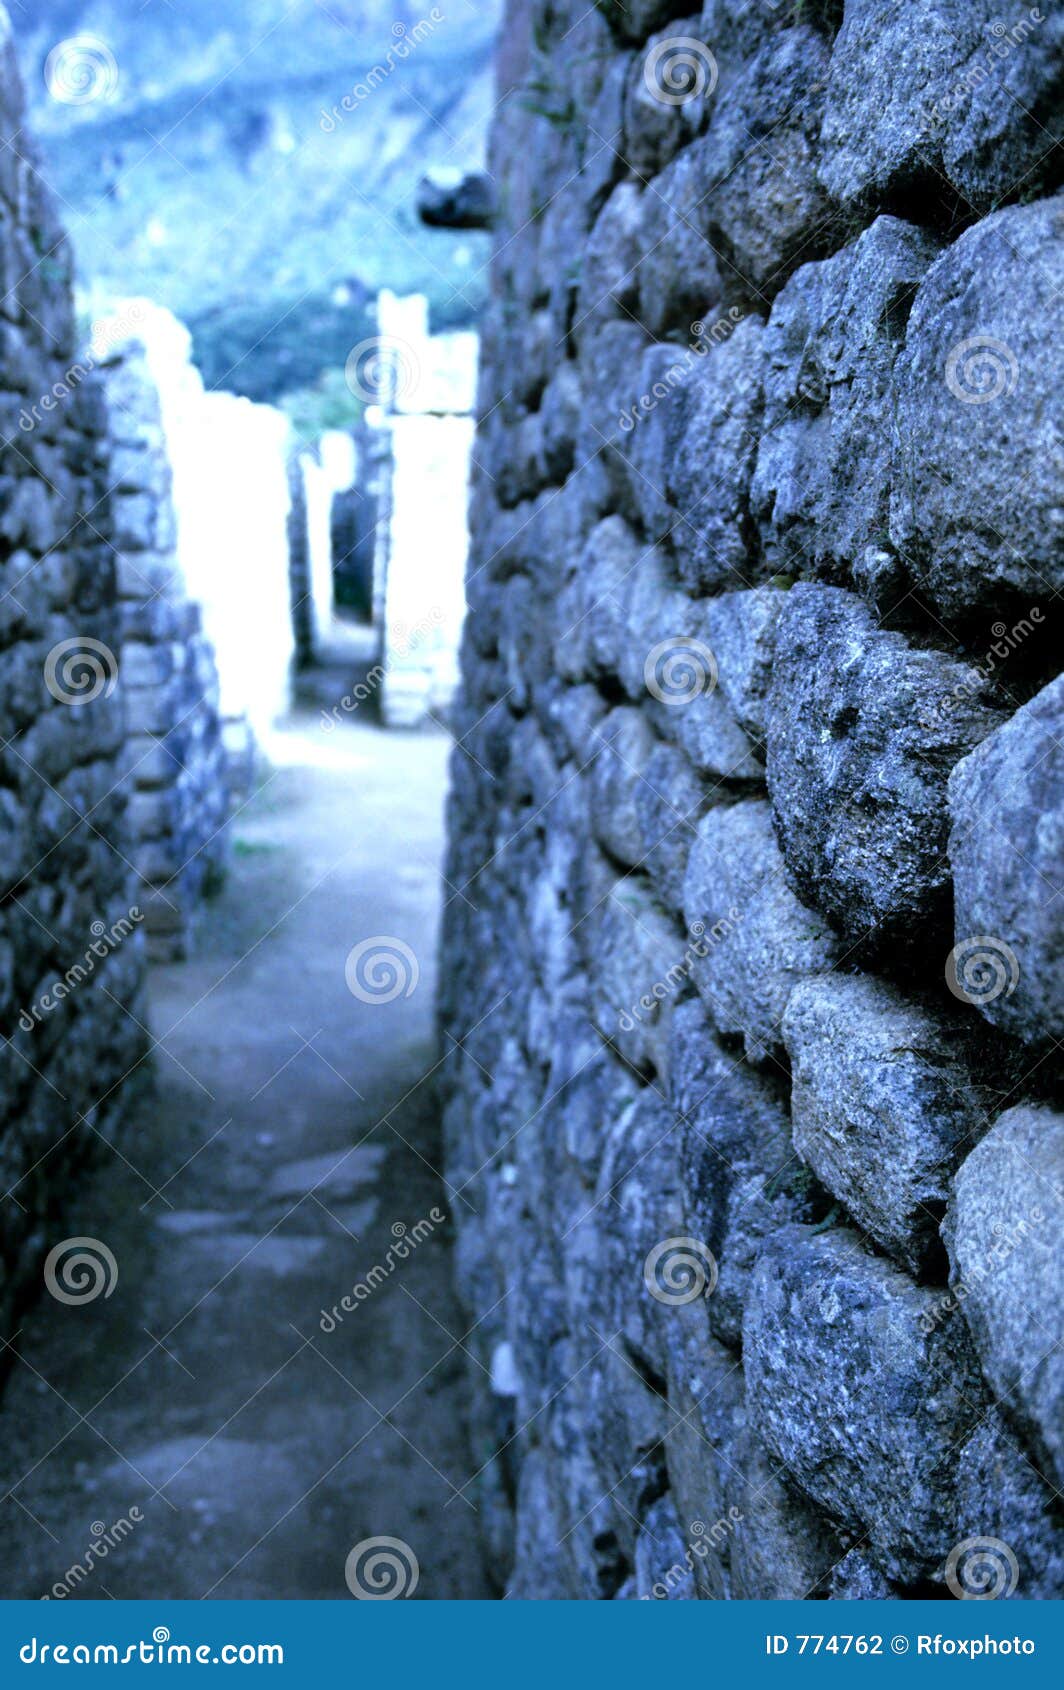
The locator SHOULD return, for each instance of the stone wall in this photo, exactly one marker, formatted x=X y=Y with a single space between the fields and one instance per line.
x=316 y=477
x=228 y=460
x=425 y=388
x=180 y=801
x=71 y=953
x=753 y=942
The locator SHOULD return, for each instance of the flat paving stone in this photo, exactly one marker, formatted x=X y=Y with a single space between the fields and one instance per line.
x=293 y=1130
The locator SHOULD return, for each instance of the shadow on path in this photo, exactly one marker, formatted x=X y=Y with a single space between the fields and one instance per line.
x=292 y=1138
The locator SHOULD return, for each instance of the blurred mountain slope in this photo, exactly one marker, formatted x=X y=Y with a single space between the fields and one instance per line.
x=219 y=172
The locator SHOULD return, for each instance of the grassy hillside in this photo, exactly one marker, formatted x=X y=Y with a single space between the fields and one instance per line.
x=221 y=174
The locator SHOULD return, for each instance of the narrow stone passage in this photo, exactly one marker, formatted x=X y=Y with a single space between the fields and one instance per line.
x=292 y=1140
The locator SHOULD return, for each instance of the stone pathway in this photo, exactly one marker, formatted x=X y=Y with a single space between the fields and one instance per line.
x=292 y=1139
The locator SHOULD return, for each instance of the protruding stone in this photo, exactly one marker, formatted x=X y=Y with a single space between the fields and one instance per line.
x=976 y=507
x=955 y=93
x=887 y=1102
x=865 y=1408
x=859 y=752
x=456 y=200
x=1002 y=1232
x=828 y=446
x=669 y=800
x=710 y=431
x=1006 y=850
x=679 y=272
x=624 y=743
x=762 y=204
x=783 y=1551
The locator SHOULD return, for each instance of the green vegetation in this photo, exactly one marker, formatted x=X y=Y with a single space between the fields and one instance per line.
x=329 y=403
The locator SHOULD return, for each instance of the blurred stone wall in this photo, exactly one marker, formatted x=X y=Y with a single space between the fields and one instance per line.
x=752 y=952
x=230 y=492
x=71 y=951
x=180 y=803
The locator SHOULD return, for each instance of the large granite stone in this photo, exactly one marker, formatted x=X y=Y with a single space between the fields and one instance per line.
x=654 y=127
x=669 y=800
x=952 y=93
x=679 y=272
x=976 y=508
x=1006 y=851
x=1003 y=1233
x=827 y=451
x=887 y=1102
x=858 y=756
x=591 y=616
x=762 y=206
x=637 y=1217
x=863 y=1406
x=609 y=277
x=609 y=354
x=624 y=744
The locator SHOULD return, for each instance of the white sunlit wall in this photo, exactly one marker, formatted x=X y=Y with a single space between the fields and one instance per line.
x=423 y=536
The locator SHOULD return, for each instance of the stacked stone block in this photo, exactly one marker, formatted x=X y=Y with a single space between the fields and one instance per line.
x=180 y=800
x=752 y=950
x=71 y=954
x=230 y=494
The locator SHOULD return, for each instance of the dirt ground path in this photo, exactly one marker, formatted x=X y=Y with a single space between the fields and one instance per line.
x=291 y=1144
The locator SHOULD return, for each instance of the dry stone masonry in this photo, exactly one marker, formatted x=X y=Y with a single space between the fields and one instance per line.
x=71 y=947
x=753 y=951
x=228 y=461
x=180 y=802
